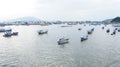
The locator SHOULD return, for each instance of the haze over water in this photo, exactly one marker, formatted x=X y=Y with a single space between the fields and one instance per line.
x=29 y=49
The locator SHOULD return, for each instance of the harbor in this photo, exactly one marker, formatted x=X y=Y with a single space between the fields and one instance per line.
x=30 y=49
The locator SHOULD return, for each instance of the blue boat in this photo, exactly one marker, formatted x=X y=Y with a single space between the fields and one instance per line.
x=15 y=33
x=8 y=30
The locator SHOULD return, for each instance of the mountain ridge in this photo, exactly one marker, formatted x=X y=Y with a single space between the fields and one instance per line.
x=26 y=19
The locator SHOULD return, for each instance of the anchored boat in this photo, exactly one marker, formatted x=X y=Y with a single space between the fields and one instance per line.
x=42 y=31
x=7 y=33
x=108 y=30
x=63 y=41
x=83 y=38
x=15 y=33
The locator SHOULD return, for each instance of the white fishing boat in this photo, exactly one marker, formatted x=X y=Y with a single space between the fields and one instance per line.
x=63 y=41
x=7 y=34
x=90 y=31
x=83 y=38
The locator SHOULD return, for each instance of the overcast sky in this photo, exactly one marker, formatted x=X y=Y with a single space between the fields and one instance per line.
x=60 y=9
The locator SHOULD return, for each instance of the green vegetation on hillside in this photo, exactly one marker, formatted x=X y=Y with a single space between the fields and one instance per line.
x=117 y=20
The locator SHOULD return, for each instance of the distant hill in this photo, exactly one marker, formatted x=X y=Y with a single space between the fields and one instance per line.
x=116 y=20
x=26 y=19
x=107 y=21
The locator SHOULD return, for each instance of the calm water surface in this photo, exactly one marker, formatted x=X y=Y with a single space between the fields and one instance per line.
x=29 y=49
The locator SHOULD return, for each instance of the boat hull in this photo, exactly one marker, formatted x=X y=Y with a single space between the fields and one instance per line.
x=15 y=33
x=63 y=41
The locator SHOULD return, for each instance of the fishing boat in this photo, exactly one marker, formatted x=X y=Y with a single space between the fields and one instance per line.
x=42 y=31
x=108 y=30
x=102 y=27
x=63 y=41
x=114 y=32
x=79 y=29
x=83 y=38
x=15 y=33
x=7 y=34
x=90 y=31
x=8 y=30
x=119 y=30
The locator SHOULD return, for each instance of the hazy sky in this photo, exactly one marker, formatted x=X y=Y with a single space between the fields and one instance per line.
x=60 y=9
